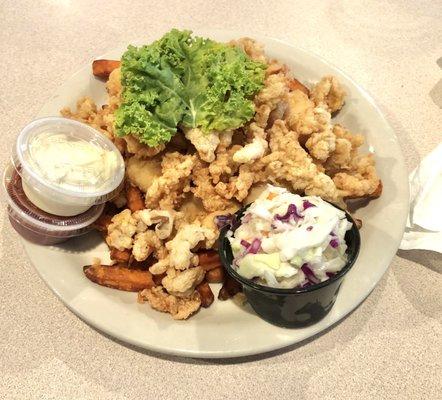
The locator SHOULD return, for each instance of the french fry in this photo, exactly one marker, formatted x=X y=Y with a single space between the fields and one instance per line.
x=209 y=259
x=134 y=198
x=119 y=277
x=206 y=294
x=229 y=289
x=120 y=255
x=103 y=68
x=216 y=275
x=294 y=84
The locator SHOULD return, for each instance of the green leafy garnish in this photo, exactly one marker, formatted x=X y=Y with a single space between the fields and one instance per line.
x=187 y=81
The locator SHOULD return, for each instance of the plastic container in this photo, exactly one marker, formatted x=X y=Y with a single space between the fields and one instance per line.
x=297 y=307
x=49 y=196
x=36 y=225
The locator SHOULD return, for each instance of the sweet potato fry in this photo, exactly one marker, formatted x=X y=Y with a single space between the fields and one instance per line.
x=209 y=259
x=119 y=277
x=229 y=289
x=134 y=198
x=120 y=255
x=294 y=84
x=103 y=68
x=206 y=294
x=215 y=275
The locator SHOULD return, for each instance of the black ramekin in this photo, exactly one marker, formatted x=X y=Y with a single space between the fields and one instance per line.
x=291 y=308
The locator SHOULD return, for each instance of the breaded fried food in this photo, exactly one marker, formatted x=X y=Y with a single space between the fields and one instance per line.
x=119 y=277
x=168 y=190
x=289 y=162
x=178 y=307
x=329 y=94
x=142 y=172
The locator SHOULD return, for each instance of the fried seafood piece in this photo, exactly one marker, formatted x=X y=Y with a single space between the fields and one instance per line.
x=178 y=307
x=162 y=219
x=142 y=172
x=119 y=277
x=225 y=140
x=303 y=116
x=114 y=87
x=182 y=283
x=256 y=147
x=263 y=113
x=101 y=119
x=238 y=186
x=224 y=164
x=274 y=91
x=206 y=191
x=321 y=144
x=346 y=149
x=361 y=180
x=129 y=230
x=205 y=143
x=86 y=111
x=169 y=189
x=121 y=230
x=187 y=238
x=160 y=267
x=329 y=94
x=252 y=48
x=289 y=162
x=144 y=244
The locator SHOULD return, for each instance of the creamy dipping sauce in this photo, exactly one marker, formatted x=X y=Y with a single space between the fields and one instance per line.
x=71 y=163
x=287 y=241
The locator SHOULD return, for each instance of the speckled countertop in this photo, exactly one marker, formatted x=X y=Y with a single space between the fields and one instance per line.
x=390 y=347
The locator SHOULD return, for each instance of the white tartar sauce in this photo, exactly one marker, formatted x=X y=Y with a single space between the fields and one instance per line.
x=287 y=241
x=71 y=163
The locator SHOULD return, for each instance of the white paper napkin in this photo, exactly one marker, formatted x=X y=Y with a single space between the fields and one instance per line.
x=424 y=225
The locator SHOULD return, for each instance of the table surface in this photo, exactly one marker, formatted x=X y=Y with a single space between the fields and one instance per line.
x=390 y=347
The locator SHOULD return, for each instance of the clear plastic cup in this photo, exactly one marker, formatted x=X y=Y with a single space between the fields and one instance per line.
x=49 y=196
x=36 y=225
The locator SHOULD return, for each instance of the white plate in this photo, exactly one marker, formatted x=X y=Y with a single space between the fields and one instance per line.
x=225 y=330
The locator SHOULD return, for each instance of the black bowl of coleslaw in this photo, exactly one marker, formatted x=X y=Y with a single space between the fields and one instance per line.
x=295 y=307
